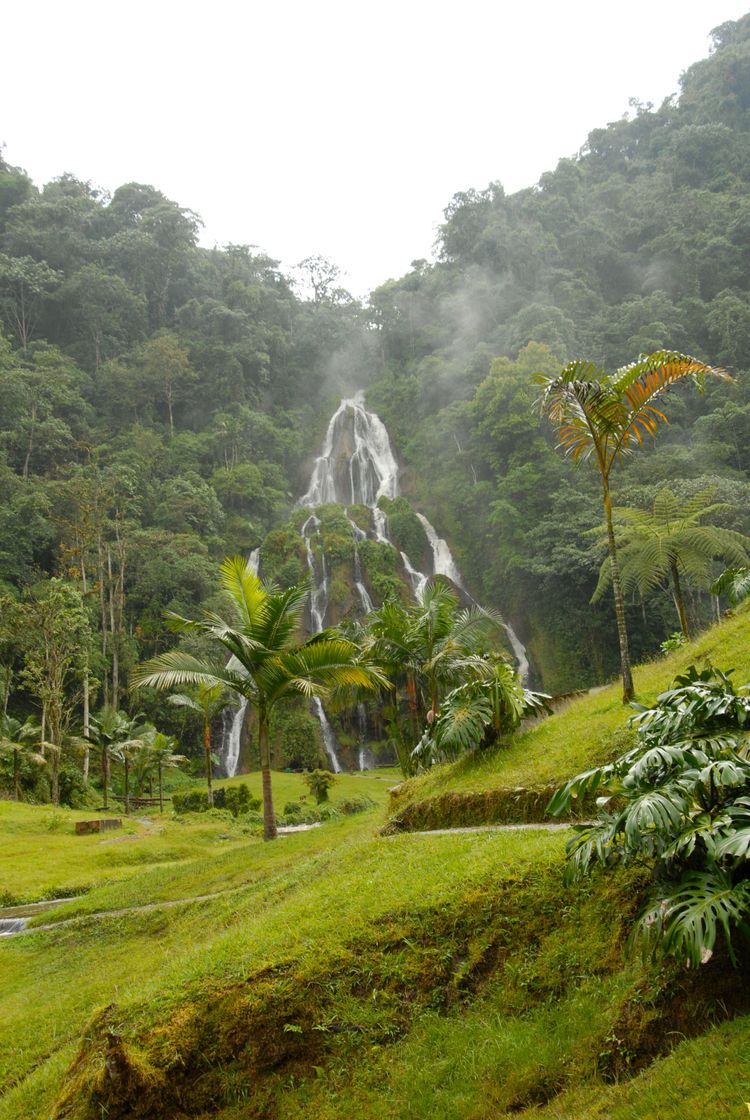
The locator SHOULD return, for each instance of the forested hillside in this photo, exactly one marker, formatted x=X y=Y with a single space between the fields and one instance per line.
x=641 y=242
x=161 y=401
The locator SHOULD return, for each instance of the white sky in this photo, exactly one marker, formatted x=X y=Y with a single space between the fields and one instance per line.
x=335 y=127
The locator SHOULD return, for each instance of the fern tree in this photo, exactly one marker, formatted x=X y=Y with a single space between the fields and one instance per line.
x=266 y=661
x=603 y=417
x=661 y=547
x=679 y=800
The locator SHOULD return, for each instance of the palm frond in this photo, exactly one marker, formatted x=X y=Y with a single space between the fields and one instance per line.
x=239 y=579
x=176 y=669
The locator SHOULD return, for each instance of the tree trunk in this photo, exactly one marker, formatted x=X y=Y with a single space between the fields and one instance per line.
x=622 y=633
x=269 y=818
x=127 y=788
x=207 y=747
x=679 y=602
x=113 y=632
x=161 y=791
x=16 y=782
x=86 y=724
x=105 y=776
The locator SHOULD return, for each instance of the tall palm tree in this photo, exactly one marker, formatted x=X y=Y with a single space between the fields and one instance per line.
x=604 y=417
x=266 y=661
x=663 y=545
x=208 y=701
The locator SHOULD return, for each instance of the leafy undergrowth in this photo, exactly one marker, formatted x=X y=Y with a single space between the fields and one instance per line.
x=514 y=781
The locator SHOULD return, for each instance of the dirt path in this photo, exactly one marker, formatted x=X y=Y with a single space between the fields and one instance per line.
x=555 y=827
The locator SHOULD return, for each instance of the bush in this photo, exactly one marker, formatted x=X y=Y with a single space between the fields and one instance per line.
x=353 y=805
x=194 y=801
x=292 y=807
x=235 y=799
x=319 y=782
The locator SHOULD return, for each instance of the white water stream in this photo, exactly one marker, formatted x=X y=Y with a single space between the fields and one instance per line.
x=356 y=467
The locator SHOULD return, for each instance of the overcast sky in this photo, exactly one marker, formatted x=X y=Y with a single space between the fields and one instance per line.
x=334 y=127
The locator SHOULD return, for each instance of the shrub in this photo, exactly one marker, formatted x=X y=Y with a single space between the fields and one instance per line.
x=319 y=782
x=235 y=799
x=194 y=801
x=352 y=805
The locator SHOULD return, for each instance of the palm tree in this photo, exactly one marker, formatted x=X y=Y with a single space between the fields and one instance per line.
x=604 y=417
x=110 y=730
x=266 y=661
x=158 y=753
x=427 y=648
x=127 y=752
x=21 y=739
x=208 y=701
x=476 y=713
x=665 y=544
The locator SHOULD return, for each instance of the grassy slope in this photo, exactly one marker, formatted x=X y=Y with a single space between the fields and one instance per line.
x=581 y=734
x=340 y=973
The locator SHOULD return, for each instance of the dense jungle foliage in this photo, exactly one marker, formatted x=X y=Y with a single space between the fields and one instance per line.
x=161 y=401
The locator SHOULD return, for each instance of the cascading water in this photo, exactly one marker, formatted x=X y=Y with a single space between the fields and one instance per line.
x=233 y=720
x=444 y=565
x=364 y=595
x=357 y=467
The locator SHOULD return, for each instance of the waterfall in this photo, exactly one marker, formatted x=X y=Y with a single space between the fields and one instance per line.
x=364 y=595
x=357 y=467
x=329 y=738
x=443 y=563
x=233 y=720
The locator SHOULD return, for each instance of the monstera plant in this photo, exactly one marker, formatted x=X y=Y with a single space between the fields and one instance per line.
x=679 y=800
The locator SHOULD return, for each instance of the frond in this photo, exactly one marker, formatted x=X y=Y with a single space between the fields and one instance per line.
x=242 y=583
x=180 y=700
x=176 y=669
x=734 y=583
x=685 y=921
x=642 y=382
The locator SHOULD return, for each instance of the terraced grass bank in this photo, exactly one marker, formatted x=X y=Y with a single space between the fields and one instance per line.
x=514 y=782
x=338 y=973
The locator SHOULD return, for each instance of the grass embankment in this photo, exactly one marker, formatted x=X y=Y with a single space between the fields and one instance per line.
x=335 y=973
x=515 y=781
